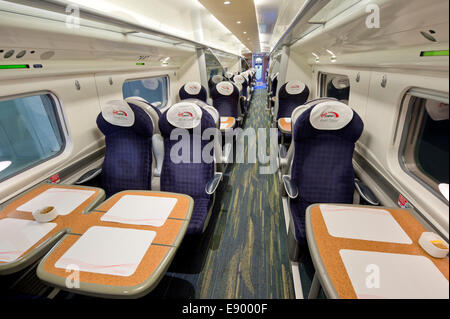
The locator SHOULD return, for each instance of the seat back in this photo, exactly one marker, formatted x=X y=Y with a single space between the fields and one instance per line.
x=274 y=84
x=291 y=95
x=193 y=90
x=324 y=142
x=339 y=88
x=192 y=175
x=213 y=81
x=239 y=79
x=128 y=131
x=229 y=75
x=225 y=96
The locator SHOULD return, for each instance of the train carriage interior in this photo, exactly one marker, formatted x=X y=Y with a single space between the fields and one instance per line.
x=211 y=149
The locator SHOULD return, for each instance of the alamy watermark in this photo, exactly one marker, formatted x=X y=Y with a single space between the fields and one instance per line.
x=195 y=146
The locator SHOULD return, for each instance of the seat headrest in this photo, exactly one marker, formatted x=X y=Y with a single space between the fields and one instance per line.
x=225 y=88
x=192 y=88
x=438 y=111
x=118 y=113
x=295 y=87
x=210 y=109
x=239 y=79
x=185 y=115
x=217 y=79
x=302 y=108
x=229 y=75
x=239 y=86
x=331 y=115
x=340 y=82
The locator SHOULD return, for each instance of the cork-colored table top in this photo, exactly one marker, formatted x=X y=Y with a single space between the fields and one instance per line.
x=285 y=125
x=227 y=123
x=328 y=247
x=64 y=223
x=153 y=265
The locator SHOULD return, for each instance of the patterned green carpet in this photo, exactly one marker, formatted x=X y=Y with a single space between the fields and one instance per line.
x=243 y=253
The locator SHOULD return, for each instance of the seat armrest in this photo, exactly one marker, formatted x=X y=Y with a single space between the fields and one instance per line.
x=212 y=185
x=291 y=188
x=366 y=193
x=158 y=150
x=227 y=152
x=90 y=175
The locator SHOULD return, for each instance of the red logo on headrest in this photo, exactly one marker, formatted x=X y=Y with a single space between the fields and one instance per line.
x=120 y=113
x=185 y=114
x=329 y=115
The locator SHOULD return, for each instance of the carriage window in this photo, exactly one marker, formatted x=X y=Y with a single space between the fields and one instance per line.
x=425 y=152
x=335 y=85
x=153 y=90
x=30 y=133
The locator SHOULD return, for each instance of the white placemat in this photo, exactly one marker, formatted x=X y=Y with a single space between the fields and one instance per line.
x=19 y=235
x=363 y=223
x=108 y=251
x=64 y=200
x=376 y=275
x=141 y=210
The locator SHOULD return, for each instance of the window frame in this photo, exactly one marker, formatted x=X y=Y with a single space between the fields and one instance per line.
x=62 y=127
x=167 y=98
x=410 y=134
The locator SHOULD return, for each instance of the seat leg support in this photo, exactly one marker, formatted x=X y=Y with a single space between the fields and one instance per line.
x=315 y=288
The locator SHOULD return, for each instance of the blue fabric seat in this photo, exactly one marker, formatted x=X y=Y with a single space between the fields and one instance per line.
x=291 y=95
x=193 y=90
x=128 y=155
x=225 y=96
x=324 y=138
x=188 y=177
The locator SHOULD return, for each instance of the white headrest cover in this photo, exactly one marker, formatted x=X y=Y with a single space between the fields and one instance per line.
x=331 y=115
x=298 y=111
x=143 y=104
x=217 y=79
x=151 y=84
x=239 y=86
x=295 y=87
x=118 y=113
x=436 y=110
x=184 y=115
x=137 y=98
x=225 y=88
x=229 y=75
x=340 y=82
x=193 y=88
x=213 y=112
x=239 y=79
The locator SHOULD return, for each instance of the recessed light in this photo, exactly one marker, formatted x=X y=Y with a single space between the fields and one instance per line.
x=245 y=32
x=227 y=3
x=238 y=22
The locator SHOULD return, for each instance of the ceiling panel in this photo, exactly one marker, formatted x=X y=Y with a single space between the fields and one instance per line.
x=239 y=16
